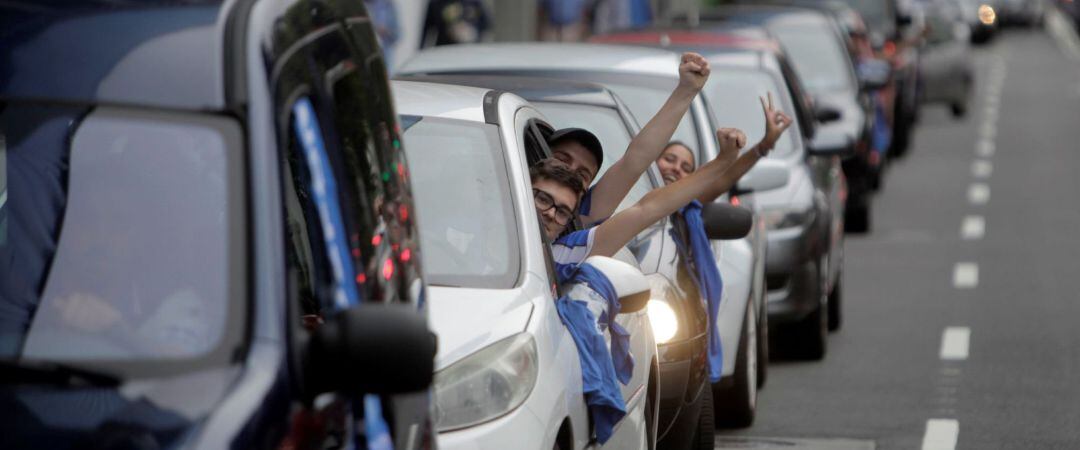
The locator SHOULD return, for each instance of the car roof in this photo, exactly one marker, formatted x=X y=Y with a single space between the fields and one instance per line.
x=154 y=53
x=529 y=88
x=512 y=57
x=439 y=100
x=767 y=15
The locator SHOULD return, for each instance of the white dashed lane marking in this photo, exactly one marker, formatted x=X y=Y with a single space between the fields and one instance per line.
x=954 y=343
x=985 y=148
x=982 y=168
x=965 y=275
x=978 y=193
x=941 y=434
x=973 y=227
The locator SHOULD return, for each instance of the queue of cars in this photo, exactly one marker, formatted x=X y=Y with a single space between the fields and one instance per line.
x=230 y=229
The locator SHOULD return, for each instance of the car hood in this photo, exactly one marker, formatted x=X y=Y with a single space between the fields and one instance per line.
x=467 y=320
x=151 y=413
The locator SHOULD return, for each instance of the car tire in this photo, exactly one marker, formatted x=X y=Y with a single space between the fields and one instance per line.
x=835 y=316
x=762 y=348
x=736 y=404
x=810 y=334
x=705 y=433
x=857 y=218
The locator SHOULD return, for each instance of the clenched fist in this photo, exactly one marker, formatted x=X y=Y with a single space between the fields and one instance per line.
x=731 y=140
x=693 y=71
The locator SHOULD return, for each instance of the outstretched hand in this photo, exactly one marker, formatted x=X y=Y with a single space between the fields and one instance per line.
x=776 y=122
x=731 y=140
x=693 y=71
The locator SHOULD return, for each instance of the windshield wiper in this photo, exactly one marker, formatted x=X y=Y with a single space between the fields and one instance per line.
x=33 y=372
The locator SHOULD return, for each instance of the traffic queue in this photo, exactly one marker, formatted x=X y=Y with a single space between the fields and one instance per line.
x=224 y=226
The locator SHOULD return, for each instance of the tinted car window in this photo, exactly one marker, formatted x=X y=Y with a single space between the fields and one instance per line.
x=819 y=57
x=608 y=126
x=735 y=95
x=121 y=242
x=467 y=225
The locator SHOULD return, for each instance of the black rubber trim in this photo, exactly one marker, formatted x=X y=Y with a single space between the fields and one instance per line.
x=234 y=52
x=491 y=107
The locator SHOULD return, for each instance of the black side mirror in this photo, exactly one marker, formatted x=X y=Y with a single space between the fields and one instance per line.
x=826 y=114
x=724 y=221
x=832 y=144
x=903 y=20
x=370 y=348
x=874 y=74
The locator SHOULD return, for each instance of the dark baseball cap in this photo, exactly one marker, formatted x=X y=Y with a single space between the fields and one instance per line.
x=583 y=137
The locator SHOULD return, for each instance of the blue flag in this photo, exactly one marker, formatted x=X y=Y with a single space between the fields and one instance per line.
x=708 y=281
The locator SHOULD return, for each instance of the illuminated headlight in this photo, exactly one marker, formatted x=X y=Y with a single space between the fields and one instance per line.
x=486 y=384
x=786 y=218
x=987 y=15
x=665 y=324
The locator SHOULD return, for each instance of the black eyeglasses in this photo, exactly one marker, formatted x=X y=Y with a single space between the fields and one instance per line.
x=544 y=202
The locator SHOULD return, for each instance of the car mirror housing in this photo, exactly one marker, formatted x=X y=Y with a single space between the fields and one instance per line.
x=370 y=348
x=630 y=284
x=874 y=74
x=724 y=221
x=832 y=144
x=763 y=177
x=826 y=114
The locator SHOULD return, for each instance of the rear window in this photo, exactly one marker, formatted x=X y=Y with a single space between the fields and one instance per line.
x=819 y=57
x=118 y=234
x=735 y=93
x=464 y=210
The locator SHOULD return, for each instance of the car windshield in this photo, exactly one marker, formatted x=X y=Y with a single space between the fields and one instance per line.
x=819 y=57
x=608 y=126
x=118 y=235
x=734 y=94
x=462 y=194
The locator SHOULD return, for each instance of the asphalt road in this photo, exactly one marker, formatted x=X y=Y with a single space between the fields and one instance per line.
x=889 y=381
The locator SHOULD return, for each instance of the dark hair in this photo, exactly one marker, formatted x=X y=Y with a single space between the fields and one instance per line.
x=687 y=147
x=551 y=170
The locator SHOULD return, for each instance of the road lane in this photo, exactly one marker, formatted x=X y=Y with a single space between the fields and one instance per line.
x=883 y=378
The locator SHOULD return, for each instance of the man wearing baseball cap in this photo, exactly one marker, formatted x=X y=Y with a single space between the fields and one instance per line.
x=580 y=151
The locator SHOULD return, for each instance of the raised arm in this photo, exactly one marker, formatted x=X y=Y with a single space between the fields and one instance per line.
x=649 y=142
x=620 y=228
x=776 y=122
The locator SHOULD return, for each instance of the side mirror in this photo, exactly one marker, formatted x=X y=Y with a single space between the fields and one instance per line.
x=630 y=284
x=763 y=177
x=832 y=144
x=826 y=114
x=874 y=74
x=724 y=221
x=903 y=20
x=370 y=348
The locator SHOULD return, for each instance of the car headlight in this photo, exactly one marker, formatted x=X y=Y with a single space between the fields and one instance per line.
x=786 y=218
x=663 y=320
x=486 y=384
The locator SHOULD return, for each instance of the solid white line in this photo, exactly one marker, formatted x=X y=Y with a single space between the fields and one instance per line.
x=941 y=434
x=982 y=168
x=954 y=343
x=973 y=227
x=985 y=148
x=965 y=275
x=978 y=193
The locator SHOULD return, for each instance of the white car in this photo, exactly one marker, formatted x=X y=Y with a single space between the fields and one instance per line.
x=643 y=78
x=507 y=369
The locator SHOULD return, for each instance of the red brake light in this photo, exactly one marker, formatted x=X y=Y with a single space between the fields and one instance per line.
x=403 y=213
x=406 y=255
x=376 y=240
x=735 y=200
x=388 y=269
x=361 y=279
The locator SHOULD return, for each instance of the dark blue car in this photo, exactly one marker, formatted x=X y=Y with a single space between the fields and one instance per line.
x=206 y=230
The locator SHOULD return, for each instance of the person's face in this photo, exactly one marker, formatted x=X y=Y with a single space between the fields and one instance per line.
x=555 y=203
x=578 y=159
x=675 y=163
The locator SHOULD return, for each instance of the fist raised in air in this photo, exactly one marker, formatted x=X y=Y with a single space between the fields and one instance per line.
x=693 y=71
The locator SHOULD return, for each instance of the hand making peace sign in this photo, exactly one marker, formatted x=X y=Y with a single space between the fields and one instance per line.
x=776 y=122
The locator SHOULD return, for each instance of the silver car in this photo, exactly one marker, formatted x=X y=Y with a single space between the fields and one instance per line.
x=947 y=69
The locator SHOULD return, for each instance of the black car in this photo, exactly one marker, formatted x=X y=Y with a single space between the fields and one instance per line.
x=206 y=230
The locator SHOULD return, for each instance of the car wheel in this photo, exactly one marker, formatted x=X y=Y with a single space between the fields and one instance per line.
x=705 y=433
x=857 y=218
x=762 y=349
x=811 y=332
x=736 y=405
x=834 y=306
x=651 y=413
